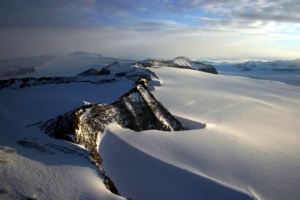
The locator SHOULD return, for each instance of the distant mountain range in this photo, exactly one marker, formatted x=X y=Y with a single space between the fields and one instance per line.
x=261 y=66
x=19 y=66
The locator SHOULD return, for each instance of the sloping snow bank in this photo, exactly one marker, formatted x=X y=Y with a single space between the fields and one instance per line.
x=251 y=139
x=139 y=175
x=252 y=128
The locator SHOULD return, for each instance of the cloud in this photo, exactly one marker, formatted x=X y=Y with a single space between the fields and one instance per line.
x=285 y=11
x=267 y=17
x=144 y=27
x=278 y=11
x=62 y=13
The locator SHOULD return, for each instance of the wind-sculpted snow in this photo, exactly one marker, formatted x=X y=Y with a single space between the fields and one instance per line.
x=137 y=110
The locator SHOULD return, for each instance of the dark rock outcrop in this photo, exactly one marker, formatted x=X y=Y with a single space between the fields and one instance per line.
x=17 y=83
x=137 y=110
x=90 y=72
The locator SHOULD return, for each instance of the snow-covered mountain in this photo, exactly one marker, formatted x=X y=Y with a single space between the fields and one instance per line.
x=129 y=129
x=178 y=62
x=77 y=62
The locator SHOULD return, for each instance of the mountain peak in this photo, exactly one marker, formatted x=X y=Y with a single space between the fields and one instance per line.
x=182 y=61
x=89 y=72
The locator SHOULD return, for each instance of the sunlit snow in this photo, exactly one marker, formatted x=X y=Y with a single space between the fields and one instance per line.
x=243 y=140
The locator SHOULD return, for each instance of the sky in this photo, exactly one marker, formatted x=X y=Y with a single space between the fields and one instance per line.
x=139 y=29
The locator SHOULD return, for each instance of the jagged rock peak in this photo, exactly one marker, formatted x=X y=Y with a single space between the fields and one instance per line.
x=137 y=110
x=90 y=72
x=114 y=64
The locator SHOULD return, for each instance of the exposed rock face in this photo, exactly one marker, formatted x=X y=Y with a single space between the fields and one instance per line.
x=16 y=83
x=90 y=72
x=137 y=110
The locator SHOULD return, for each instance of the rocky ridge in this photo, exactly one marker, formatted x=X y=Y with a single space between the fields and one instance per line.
x=111 y=73
x=137 y=110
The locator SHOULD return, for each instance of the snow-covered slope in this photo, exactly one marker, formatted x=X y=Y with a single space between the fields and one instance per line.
x=250 y=141
x=243 y=138
x=251 y=137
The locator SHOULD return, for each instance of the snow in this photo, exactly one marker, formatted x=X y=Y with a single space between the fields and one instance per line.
x=32 y=165
x=55 y=179
x=243 y=142
x=250 y=141
x=43 y=168
x=139 y=175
